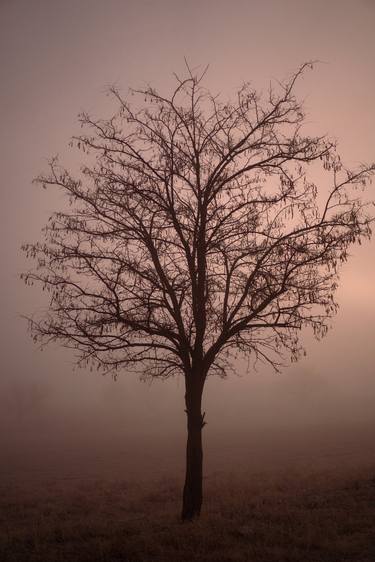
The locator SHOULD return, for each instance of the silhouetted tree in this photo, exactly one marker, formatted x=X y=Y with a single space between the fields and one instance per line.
x=194 y=233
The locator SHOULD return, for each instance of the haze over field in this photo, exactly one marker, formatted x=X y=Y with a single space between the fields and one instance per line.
x=57 y=59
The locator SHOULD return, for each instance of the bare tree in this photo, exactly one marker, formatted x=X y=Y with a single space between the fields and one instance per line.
x=195 y=233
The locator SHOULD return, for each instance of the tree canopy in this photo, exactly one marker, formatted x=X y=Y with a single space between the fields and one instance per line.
x=194 y=228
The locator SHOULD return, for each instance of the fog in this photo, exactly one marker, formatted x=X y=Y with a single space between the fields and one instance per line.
x=57 y=59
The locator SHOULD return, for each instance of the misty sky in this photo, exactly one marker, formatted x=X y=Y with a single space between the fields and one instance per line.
x=58 y=58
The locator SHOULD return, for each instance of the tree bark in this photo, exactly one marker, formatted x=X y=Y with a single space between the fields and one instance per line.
x=192 y=495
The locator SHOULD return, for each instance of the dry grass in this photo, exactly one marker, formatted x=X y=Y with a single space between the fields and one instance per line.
x=315 y=517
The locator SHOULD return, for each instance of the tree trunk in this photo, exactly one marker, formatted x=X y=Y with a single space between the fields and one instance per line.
x=192 y=496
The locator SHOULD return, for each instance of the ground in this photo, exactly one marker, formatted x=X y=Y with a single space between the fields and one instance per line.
x=268 y=516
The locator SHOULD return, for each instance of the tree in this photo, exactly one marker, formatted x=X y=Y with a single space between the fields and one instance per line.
x=194 y=233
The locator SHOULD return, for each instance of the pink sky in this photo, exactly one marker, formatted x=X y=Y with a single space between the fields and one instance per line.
x=57 y=58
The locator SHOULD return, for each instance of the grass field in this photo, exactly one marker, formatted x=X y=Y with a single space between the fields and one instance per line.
x=279 y=516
